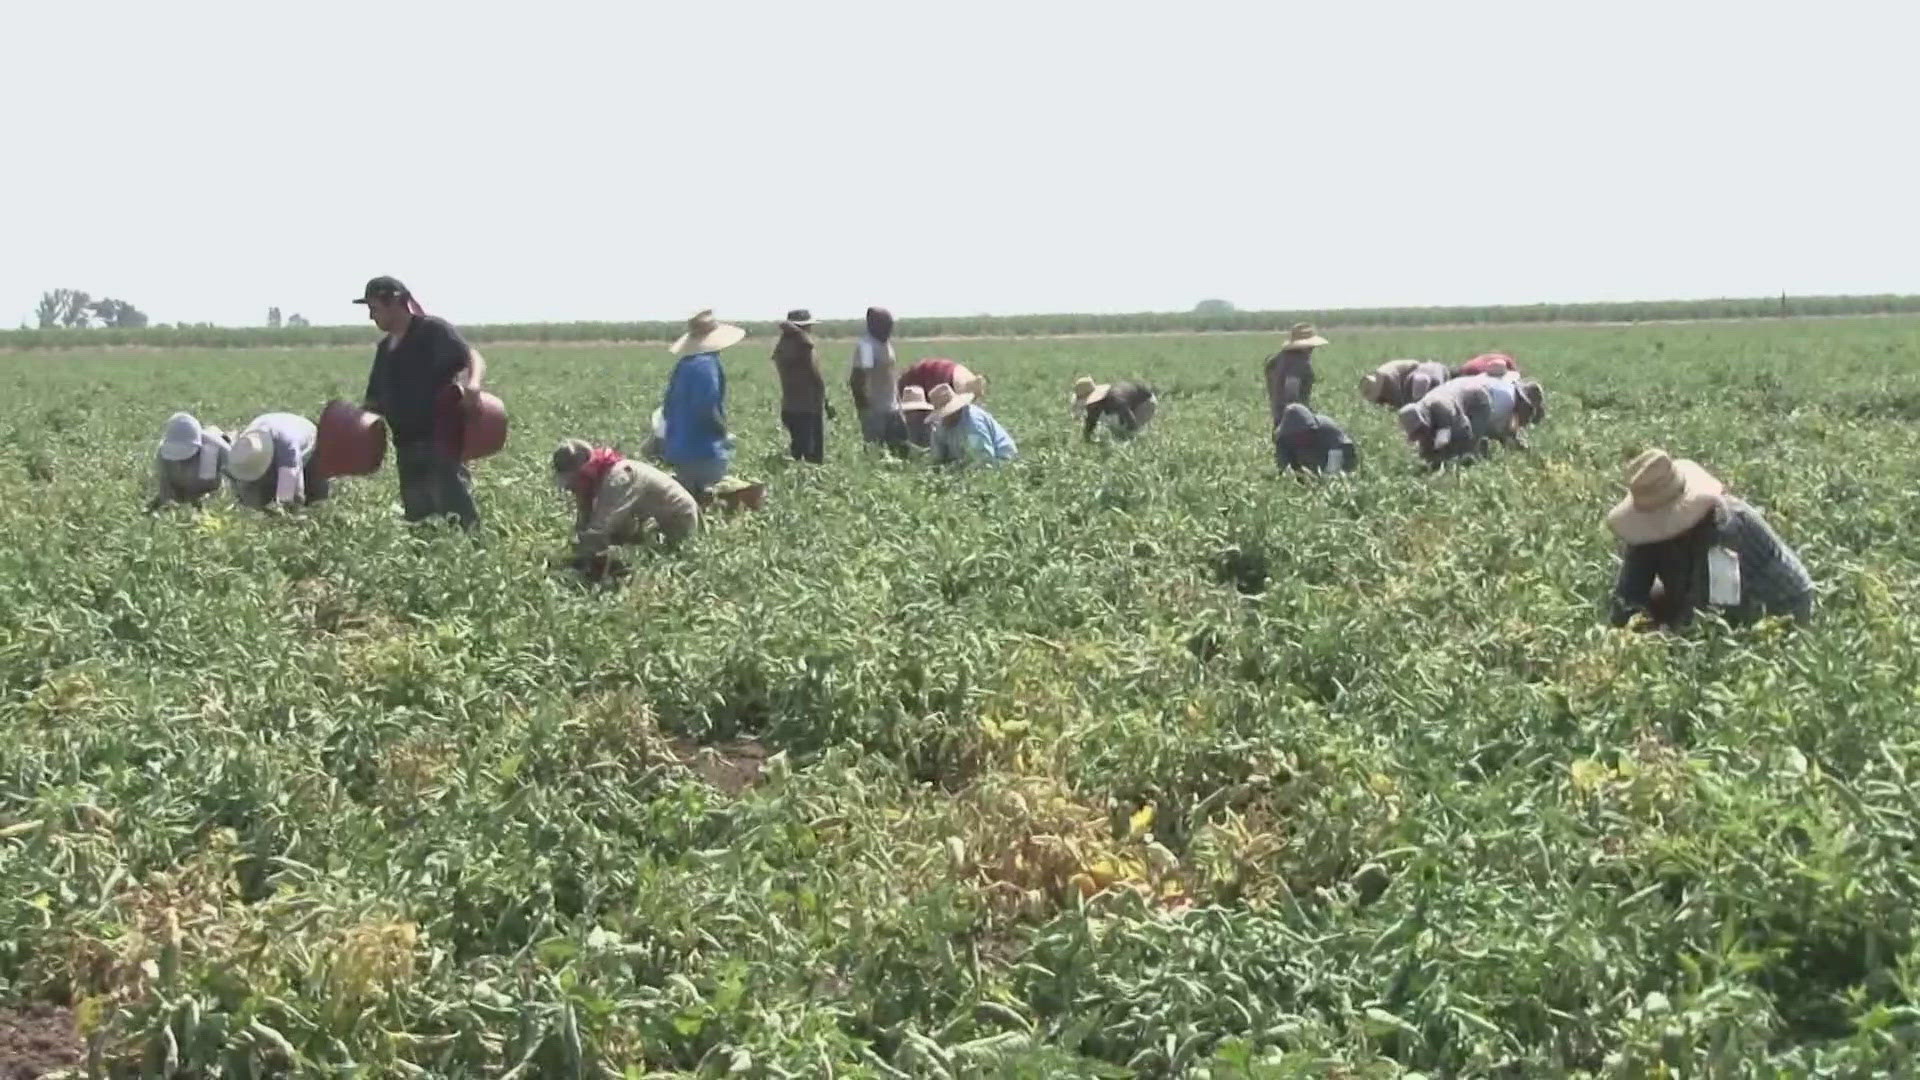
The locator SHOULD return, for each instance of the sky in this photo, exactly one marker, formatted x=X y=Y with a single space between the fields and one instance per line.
x=558 y=161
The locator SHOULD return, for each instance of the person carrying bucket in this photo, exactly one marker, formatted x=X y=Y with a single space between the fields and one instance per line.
x=420 y=362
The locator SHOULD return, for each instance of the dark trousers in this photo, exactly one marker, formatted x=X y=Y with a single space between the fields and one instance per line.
x=434 y=483
x=316 y=482
x=806 y=435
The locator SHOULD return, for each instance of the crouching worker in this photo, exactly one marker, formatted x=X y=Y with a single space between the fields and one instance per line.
x=1307 y=442
x=963 y=432
x=1452 y=421
x=1511 y=405
x=1690 y=545
x=616 y=498
x=188 y=462
x=1128 y=406
x=272 y=463
x=1398 y=383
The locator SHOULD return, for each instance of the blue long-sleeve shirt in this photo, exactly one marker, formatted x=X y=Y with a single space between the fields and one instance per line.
x=695 y=410
x=976 y=437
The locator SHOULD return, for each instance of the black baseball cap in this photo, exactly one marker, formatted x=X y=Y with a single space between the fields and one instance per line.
x=385 y=288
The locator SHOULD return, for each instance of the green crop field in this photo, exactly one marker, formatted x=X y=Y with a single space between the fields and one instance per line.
x=1133 y=760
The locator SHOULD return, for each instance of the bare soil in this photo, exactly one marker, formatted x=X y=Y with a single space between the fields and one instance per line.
x=733 y=767
x=38 y=1040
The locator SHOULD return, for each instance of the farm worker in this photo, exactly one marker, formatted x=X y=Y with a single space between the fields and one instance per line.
x=1684 y=536
x=1450 y=421
x=916 y=413
x=803 y=392
x=1401 y=382
x=1496 y=364
x=964 y=432
x=272 y=463
x=872 y=383
x=1290 y=371
x=421 y=359
x=1128 y=406
x=188 y=462
x=616 y=498
x=934 y=370
x=697 y=444
x=1310 y=442
x=1508 y=411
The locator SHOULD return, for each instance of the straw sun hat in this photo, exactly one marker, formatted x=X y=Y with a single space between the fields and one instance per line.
x=1665 y=497
x=1088 y=392
x=945 y=402
x=251 y=456
x=1303 y=336
x=707 y=334
x=914 y=399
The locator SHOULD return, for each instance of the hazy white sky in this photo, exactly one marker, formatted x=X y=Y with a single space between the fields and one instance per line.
x=559 y=160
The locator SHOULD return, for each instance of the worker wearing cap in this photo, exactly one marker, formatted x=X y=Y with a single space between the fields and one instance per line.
x=272 y=463
x=187 y=463
x=421 y=359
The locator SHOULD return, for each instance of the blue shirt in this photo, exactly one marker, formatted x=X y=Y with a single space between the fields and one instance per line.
x=695 y=410
x=978 y=436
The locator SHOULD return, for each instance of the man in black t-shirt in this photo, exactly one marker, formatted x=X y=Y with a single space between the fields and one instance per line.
x=420 y=367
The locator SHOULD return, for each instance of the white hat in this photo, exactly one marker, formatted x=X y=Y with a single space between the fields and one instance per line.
x=180 y=440
x=251 y=456
x=914 y=399
x=707 y=334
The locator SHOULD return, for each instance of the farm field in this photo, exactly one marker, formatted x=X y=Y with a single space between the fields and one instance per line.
x=1123 y=760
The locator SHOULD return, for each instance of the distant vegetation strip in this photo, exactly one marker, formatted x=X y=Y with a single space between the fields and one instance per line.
x=1012 y=326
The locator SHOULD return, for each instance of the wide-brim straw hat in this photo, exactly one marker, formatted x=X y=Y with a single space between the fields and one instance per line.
x=1665 y=497
x=914 y=399
x=251 y=456
x=945 y=402
x=707 y=334
x=1303 y=336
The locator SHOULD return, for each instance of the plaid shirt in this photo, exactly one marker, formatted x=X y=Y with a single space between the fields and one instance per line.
x=1772 y=580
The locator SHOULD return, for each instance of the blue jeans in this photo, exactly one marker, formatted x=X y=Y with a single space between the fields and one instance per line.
x=434 y=483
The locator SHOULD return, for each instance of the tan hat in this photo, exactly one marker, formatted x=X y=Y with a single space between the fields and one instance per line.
x=1303 y=336
x=251 y=456
x=945 y=402
x=707 y=334
x=972 y=384
x=1373 y=387
x=1665 y=497
x=1087 y=392
x=914 y=399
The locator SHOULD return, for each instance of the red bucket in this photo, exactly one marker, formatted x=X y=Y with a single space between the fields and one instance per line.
x=475 y=426
x=350 y=441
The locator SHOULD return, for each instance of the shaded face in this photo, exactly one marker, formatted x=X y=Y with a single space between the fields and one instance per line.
x=954 y=419
x=388 y=313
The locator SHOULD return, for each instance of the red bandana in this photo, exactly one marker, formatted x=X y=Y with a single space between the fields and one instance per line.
x=586 y=482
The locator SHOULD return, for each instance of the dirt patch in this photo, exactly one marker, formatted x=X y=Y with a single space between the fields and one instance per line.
x=38 y=1040
x=733 y=767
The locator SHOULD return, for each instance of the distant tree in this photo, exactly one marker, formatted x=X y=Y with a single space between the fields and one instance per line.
x=63 y=307
x=273 y=318
x=1213 y=307
x=297 y=319
x=118 y=314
